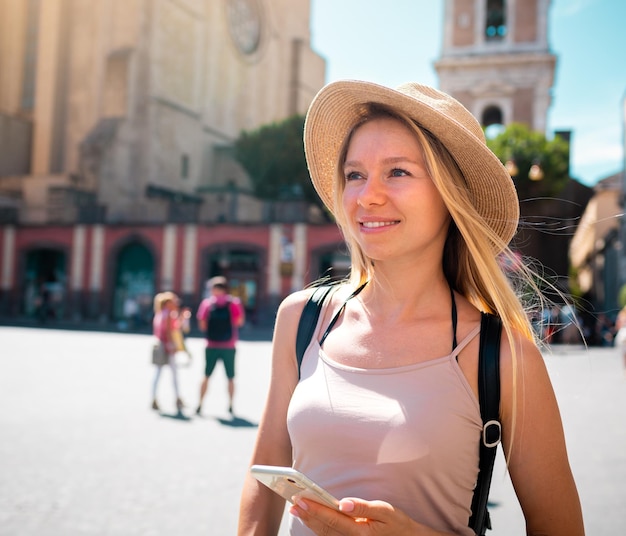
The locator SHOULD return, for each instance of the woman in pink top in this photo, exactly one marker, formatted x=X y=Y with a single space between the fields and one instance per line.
x=385 y=415
x=164 y=327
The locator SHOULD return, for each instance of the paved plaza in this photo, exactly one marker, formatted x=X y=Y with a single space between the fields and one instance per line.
x=82 y=454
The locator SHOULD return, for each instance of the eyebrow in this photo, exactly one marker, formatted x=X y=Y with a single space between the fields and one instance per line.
x=390 y=160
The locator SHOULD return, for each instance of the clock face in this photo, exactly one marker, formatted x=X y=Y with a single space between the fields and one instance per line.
x=244 y=20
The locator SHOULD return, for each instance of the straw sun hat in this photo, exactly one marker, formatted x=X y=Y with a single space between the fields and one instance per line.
x=339 y=106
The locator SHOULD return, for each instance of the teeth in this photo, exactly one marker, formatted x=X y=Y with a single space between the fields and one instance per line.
x=374 y=224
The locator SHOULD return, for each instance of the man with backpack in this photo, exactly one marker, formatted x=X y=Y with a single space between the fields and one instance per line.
x=219 y=317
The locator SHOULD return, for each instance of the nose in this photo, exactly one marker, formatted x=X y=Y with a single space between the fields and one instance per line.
x=372 y=192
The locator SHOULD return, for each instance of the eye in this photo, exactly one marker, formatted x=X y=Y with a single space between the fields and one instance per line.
x=353 y=176
x=398 y=172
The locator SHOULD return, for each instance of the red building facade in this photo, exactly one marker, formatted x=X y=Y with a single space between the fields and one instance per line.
x=109 y=273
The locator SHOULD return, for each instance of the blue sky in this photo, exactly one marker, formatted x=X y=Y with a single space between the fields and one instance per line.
x=400 y=42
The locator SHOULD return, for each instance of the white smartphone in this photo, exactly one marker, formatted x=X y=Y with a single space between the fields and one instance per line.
x=290 y=483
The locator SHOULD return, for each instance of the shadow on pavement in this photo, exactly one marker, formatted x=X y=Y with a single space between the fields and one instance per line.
x=176 y=416
x=237 y=422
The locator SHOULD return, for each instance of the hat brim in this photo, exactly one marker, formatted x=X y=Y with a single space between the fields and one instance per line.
x=339 y=106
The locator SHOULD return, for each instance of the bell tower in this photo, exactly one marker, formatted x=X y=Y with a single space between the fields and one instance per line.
x=495 y=59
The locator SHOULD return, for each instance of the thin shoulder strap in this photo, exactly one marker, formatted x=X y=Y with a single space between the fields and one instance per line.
x=308 y=321
x=489 y=398
x=339 y=312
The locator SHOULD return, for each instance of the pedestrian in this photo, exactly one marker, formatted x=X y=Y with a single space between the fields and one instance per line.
x=164 y=326
x=570 y=331
x=181 y=327
x=385 y=415
x=219 y=317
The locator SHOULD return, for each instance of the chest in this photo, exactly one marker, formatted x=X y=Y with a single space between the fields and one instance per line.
x=353 y=342
x=394 y=415
x=360 y=343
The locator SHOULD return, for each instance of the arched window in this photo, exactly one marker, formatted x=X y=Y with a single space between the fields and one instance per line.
x=492 y=115
x=495 y=23
x=493 y=121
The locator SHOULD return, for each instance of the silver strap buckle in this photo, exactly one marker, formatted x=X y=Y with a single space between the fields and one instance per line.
x=492 y=433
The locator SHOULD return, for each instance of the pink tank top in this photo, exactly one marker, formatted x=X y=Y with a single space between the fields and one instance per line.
x=406 y=435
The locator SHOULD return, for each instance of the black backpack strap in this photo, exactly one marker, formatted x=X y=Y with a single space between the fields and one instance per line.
x=489 y=398
x=308 y=321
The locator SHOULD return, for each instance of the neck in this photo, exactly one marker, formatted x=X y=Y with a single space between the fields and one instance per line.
x=398 y=292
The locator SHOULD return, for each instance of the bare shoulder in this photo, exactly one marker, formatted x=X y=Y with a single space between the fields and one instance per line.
x=295 y=301
x=293 y=305
x=291 y=308
x=527 y=359
x=288 y=315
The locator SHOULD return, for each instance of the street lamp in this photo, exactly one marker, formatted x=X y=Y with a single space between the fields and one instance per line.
x=534 y=174
x=511 y=168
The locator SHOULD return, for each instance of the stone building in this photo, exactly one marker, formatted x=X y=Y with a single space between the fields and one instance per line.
x=117 y=120
x=596 y=247
x=121 y=111
x=496 y=60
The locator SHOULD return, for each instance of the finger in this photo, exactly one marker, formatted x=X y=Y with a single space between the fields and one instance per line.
x=379 y=516
x=321 y=519
x=361 y=510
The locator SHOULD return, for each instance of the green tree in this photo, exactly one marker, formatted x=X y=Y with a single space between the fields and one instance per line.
x=522 y=148
x=273 y=157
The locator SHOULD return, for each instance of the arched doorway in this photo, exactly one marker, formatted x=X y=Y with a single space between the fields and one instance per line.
x=45 y=283
x=242 y=267
x=134 y=286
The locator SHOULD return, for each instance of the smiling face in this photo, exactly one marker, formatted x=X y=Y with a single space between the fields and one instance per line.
x=393 y=211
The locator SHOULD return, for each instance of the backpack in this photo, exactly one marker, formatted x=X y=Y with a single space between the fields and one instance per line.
x=488 y=396
x=220 y=324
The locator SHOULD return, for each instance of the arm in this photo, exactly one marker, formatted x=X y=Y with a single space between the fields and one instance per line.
x=169 y=330
x=201 y=316
x=241 y=313
x=534 y=445
x=261 y=509
x=185 y=315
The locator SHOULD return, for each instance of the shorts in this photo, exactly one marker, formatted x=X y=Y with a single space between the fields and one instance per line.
x=227 y=355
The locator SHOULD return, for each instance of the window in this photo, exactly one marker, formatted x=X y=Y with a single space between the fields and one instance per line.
x=184 y=166
x=30 y=56
x=495 y=25
x=492 y=121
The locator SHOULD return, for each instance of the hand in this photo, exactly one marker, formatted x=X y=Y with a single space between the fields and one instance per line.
x=356 y=517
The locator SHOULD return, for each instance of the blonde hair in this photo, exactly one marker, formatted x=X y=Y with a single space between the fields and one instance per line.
x=161 y=299
x=470 y=259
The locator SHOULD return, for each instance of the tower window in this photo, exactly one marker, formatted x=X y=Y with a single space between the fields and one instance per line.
x=492 y=121
x=492 y=115
x=495 y=24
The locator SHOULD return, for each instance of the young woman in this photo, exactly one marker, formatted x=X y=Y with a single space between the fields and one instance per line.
x=164 y=327
x=385 y=415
